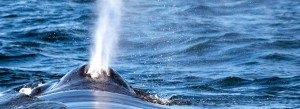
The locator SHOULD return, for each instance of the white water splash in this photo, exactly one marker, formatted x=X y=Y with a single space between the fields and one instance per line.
x=105 y=37
x=26 y=91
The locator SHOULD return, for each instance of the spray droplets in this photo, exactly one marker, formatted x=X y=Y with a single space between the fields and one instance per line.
x=105 y=37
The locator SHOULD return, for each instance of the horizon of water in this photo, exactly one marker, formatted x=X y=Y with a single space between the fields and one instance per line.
x=105 y=36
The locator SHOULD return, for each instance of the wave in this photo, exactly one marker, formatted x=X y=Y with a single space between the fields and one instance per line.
x=16 y=77
x=278 y=57
x=199 y=10
x=241 y=90
x=200 y=48
x=277 y=44
x=49 y=35
x=3 y=56
x=235 y=82
x=83 y=1
x=10 y=16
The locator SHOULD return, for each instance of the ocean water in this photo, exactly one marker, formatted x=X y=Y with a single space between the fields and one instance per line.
x=207 y=53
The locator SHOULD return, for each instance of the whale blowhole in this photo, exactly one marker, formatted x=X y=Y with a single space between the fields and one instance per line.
x=96 y=72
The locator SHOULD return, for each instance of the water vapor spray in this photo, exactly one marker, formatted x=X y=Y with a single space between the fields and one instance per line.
x=105 y=37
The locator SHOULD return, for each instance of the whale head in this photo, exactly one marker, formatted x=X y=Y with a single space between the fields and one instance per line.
x=79 y=79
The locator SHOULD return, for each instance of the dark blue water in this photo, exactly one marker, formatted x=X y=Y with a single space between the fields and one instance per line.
x=209 y=53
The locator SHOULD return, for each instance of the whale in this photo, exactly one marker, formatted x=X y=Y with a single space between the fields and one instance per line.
x=78 y=90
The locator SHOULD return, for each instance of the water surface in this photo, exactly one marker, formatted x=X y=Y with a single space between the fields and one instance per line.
x=212 y=53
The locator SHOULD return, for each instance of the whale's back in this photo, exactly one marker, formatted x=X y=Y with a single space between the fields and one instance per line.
x=88 y=99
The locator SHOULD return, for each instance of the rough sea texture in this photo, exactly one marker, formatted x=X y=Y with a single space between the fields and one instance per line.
x=210 y=53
